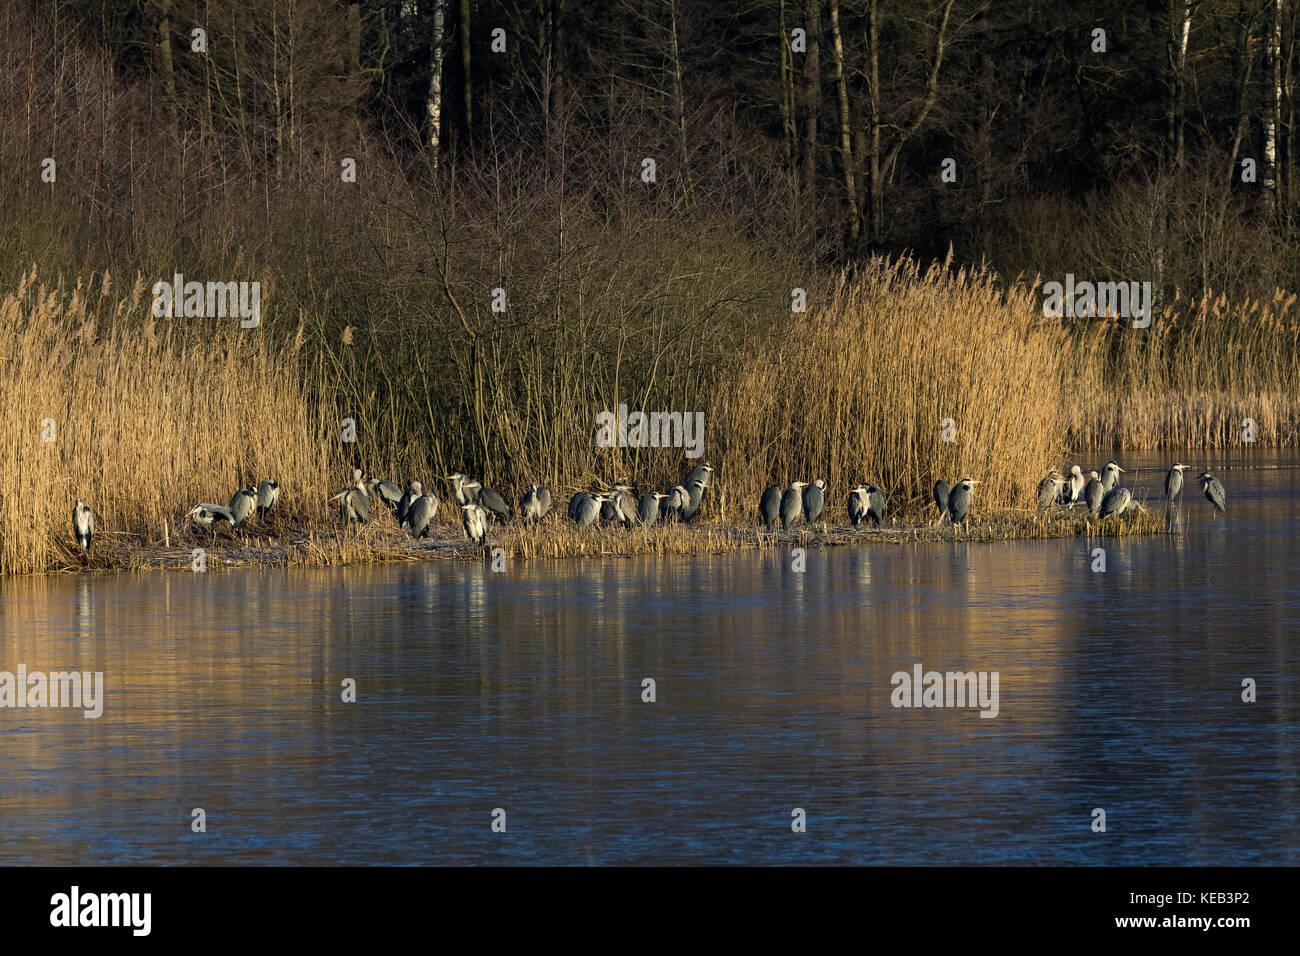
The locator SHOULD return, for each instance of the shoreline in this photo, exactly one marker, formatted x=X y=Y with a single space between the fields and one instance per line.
x=556 y=538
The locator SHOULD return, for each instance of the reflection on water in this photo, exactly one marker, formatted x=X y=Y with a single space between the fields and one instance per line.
x=523 y=691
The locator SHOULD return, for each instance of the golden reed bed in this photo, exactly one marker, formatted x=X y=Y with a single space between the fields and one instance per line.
x=142 y=417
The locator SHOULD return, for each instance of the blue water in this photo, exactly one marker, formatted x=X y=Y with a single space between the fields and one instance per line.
x=522 y=691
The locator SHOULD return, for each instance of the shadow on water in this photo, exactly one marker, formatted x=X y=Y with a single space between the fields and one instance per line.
x=523 y=690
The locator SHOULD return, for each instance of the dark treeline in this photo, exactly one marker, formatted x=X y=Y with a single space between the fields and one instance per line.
x=1092 y=135
x=504 y=146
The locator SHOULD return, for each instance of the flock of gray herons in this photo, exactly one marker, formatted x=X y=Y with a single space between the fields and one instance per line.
x=415 y=508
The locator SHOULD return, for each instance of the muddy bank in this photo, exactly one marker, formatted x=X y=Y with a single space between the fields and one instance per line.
x=556 y=537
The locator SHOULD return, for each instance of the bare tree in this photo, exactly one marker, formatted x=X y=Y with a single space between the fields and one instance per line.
x=883 y=165
x=433 y=105
x=813 y=82
x=1273 y=118
x=468 y=90
x=166 y=66
x=846 y=145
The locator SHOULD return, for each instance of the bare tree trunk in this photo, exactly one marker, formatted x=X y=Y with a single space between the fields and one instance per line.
x=165 y=64
x=1180 y=25
x=354 y=61
x=931 y=93
x=846 y=145
x=1273 y=119
x=434 y=104
x=1239 y=133
x=1288 y=152
x=679 y=101
x=555 y=54
x=875 y=190
x=465 y=66
x=1180 y=22
x=814 y=83
x=276 y=94
x=787 y=92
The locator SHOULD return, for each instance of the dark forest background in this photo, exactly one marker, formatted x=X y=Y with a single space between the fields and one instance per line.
x=501 y=145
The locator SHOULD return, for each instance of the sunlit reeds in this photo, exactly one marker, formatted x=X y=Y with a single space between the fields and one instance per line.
x=144 y=417
x=141 y=419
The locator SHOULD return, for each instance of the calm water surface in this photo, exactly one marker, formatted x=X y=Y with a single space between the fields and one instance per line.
x=522 y=690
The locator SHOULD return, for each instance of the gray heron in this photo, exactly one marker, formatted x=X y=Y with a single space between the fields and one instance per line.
x=701 y=473
x=695 y=489
x=1174 y=482
x=618 y=506
x=588 y=510
x=414 y=490
x=792 y=504
x=769 y=506
x=462 y=487
x=875 y=504
x=959 y=502
x=474 y=518
x=492 y=502
x=420 y=514
x=1093 y=493
x=268 y=493
x=859 y=505
x=1116 y=502
x=675 y=504
x=386 y=491
x=1213 y=490
x=1110 y=476
x=627 y=504
x=941 y=493
x=354 y=503
x=1073 y=487
x=242 y=506
x=648 y=507
x=1049 y=489
x=83 y=525
x=530 y=505
x=814 y=500
x=207 y=516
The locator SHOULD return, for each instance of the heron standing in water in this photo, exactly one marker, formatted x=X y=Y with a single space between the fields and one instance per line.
x=1214 y=492
x=1174 y=482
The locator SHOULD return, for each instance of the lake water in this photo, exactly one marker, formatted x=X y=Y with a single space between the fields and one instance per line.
x=523 y=691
